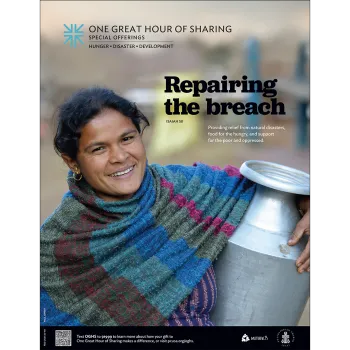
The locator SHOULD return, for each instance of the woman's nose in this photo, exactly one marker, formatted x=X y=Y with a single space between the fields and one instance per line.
x=118 y=155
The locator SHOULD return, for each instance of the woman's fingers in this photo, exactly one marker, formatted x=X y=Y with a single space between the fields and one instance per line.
x=303 y=262
x=303 y=226
x=305 y=266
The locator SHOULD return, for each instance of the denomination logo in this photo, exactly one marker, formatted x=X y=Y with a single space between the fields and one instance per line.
x=245 y=338
x=285 y=337
x=73 y=34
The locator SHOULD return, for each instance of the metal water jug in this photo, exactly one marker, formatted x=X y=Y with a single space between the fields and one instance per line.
x=257 y=280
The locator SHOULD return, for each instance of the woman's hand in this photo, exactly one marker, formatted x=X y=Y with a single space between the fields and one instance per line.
x=302 y=227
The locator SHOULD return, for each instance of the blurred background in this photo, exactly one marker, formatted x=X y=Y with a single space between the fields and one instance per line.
x=269 y=40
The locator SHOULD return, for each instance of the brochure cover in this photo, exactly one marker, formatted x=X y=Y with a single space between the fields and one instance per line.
x=174 y=175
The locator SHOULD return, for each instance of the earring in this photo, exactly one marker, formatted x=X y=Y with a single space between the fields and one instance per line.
x=76 y=174
x=77 y=178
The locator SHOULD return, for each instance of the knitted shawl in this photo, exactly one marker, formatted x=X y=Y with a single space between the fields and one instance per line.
x=132 y=262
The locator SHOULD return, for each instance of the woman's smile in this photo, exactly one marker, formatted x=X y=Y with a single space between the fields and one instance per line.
x=122 y=174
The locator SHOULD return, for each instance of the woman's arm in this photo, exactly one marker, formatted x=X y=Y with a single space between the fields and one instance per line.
x=302 y=227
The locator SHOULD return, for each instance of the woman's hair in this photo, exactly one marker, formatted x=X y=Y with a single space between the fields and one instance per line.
x=82 y=107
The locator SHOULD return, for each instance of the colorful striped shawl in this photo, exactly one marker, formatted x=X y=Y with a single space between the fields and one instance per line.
x=132 y=262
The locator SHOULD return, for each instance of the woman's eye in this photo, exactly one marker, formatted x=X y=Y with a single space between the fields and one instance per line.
x=97 y=149
x=128 y=138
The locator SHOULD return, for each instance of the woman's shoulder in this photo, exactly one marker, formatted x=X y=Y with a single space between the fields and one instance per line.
x=63 y=212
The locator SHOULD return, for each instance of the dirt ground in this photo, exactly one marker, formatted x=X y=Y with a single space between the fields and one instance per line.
x=280 y=149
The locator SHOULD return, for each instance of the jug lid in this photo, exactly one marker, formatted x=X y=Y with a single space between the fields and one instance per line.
x=277 y=176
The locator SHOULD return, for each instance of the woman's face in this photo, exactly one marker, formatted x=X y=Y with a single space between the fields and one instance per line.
x=111 y=156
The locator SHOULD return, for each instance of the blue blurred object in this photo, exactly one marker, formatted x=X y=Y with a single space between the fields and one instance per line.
x=301 y=76
x=297 y=86
x=252 y=61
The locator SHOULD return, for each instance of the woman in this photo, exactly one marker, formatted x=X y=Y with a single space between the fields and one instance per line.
x=133 y=243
